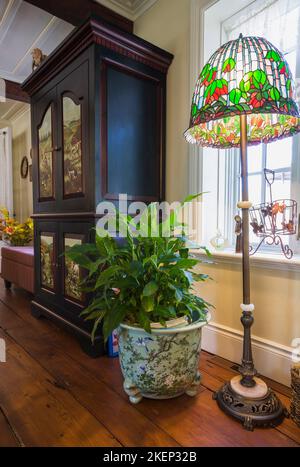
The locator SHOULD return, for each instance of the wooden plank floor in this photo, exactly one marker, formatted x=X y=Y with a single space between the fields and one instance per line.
x=52 y=394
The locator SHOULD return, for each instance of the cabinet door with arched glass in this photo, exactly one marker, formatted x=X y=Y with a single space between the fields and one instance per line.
x=46 y=177
x=75 y=193
x=72 y=146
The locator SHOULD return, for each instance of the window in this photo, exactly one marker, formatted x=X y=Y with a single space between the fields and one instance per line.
x=279 y=22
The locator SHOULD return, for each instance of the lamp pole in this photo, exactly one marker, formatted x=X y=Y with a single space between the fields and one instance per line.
x=247 y=369
x=246 y=397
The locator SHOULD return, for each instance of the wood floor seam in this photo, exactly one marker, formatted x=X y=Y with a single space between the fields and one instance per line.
x=13 y=430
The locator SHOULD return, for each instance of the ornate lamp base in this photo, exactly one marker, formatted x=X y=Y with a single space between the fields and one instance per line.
x=251 y=410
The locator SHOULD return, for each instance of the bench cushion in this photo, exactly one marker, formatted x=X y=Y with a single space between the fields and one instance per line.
x=20 y=254
x=18 y=266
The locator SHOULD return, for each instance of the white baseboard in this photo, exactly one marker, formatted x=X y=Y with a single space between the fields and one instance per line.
x=271 y=359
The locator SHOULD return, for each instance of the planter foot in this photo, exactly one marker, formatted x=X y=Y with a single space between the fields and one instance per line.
x=193 y=389
x=135 y=399
x=132 y=391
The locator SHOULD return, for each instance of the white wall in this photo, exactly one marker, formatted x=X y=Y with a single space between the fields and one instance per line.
x=21 y=144
x=166 y=24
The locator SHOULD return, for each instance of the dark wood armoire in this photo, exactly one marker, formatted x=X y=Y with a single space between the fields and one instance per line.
x=98 y=106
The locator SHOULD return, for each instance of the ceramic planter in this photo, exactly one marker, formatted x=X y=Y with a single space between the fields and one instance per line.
x=163 y=364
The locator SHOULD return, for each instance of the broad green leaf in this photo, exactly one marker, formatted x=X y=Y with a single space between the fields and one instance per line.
x=150 y=289
x=273 y=55
x=136 y=268
x=144 y=321
x=190 y=198
x=148 y=303
x=229 y=65
x=95 y=327
x=243 y=107
x=274 y=94
x=260 y=76
x=184 y=253
x=205 y=70
x=106 y=275
x=112 y=320
x=235 y=96
x=178 y=294
x=187 y=263
x=95 y=266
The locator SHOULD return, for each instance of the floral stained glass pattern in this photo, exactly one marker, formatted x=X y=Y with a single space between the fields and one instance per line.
x=72 y=147
x=72 y=271
x=47 y=252
x=46 y=156
x=245 y=76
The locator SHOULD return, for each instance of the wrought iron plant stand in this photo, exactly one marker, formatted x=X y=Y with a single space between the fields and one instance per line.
x=270 y=221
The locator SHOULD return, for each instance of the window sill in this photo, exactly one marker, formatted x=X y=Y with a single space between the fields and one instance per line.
x=260 y=260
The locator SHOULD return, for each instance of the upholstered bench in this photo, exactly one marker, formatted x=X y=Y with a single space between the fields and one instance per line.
x=17 y=267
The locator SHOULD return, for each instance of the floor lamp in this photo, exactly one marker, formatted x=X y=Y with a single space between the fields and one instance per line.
x=245 y=96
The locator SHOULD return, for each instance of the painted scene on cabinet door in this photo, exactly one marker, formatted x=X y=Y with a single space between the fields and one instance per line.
x=72 y=270
x=46 y=156
x=72 y=147
x=47 y=257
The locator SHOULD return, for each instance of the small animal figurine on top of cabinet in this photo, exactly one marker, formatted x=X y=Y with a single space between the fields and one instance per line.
x=37 y=58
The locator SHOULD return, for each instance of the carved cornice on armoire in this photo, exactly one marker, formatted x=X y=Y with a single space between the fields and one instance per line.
x=15 y=92
x=97 y=32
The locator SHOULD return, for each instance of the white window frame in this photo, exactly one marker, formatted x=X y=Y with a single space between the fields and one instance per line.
x=212 y=11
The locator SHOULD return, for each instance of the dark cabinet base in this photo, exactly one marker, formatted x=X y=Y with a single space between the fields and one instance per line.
x=93 y=350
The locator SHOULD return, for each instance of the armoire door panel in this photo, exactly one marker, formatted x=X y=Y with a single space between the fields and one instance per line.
x=44 y=152
x=72 y=273
x=46 y=157
x=70 y=234
x=73 y=128
x=131 y=132
x=47 y=261
x=72 y=146
x=47 y=255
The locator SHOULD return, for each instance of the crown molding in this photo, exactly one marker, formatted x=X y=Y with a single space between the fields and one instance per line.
x=76 y=12
x=96 y=32
x=132 y=10
x=15 y=92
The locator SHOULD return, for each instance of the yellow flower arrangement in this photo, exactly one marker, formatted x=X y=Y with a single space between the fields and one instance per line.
x=16 y=233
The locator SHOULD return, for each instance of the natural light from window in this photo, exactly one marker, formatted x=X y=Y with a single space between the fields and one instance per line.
x=279 y=22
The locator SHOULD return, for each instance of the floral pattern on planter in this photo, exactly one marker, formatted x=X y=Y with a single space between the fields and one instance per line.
x=245 y=76
x=159 y=365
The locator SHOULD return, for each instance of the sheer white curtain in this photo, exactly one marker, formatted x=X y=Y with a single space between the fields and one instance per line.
x=6 y=172
x=279 y=22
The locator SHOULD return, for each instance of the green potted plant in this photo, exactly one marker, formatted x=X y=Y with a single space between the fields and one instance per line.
x=142 y=285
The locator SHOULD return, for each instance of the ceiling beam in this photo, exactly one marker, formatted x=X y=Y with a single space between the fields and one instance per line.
x=77 y=11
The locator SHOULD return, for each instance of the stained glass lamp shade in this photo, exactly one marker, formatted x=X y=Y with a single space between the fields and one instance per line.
x=245 y=96
x=245 y=76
